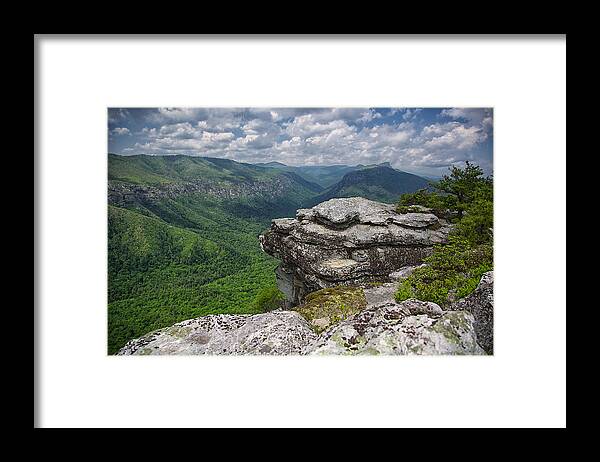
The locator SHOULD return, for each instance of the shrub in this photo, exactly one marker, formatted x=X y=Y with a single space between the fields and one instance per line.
x=477 y=222
x=453 y=269
x=268 y=299
x=424 y=198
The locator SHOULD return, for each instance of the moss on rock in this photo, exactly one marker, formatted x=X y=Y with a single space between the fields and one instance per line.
x=326 y=307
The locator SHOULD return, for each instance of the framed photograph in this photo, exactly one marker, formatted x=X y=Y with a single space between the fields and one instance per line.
x=303 y=221
x=294 y=231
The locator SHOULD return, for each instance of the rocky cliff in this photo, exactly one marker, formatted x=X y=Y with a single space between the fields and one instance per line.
x=122 y=193
x=347 y=241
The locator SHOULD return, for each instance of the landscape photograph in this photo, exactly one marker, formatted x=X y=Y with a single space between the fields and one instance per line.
x=300 y=231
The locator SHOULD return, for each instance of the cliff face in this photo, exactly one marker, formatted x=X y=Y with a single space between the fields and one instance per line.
x=121 y=193
x=348 y=241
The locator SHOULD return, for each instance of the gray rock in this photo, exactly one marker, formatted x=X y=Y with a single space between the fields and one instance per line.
x=380 y=295
x=416 y=307
x=383 y=327
x=348 y=241
x=397 y=329
x=418 y=209
x=274 y=333
x=481 y=304
x=403 y=273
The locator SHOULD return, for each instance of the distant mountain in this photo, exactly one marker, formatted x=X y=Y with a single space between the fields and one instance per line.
x=271 y=164
x=249 y=191
x=323 y=175
x=380 y=183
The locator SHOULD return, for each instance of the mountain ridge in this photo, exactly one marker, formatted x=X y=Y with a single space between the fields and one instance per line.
x=380 y=183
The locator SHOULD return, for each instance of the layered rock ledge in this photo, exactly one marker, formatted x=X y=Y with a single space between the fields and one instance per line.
x=348 y=241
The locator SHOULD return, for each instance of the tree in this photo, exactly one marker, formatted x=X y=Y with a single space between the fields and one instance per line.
x=464 y=184
x=268 y=299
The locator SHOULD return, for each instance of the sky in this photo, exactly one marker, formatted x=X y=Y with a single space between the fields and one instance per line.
x=424 y=141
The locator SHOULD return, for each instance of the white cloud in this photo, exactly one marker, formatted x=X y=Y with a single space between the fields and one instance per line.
x=120 y=131
x=318 y=136
x=117 y=114
x=481 y=117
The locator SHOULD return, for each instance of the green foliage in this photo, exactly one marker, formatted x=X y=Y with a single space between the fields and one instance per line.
x=268 y=299
x=435 y=201
x=453 y=270
x=464 y=184
x=477 y=222
x=159 y=170
x=176 y=259
x=461 y=181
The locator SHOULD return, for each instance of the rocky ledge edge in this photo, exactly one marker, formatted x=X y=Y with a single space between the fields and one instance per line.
x=412 y=327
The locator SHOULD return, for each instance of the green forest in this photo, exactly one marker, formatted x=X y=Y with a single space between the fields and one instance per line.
x=161 y=273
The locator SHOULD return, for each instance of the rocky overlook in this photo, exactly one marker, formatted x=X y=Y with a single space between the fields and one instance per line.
x=341 y=264
x=348 y=241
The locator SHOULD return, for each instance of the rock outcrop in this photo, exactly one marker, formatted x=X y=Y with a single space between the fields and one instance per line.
x=412 y=327
x=348 y=241
x=274 y=333
x=481 y=304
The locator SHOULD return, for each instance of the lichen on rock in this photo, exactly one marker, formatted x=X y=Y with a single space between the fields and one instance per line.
x=400 y=329
x=274 y=333
x=326 y=307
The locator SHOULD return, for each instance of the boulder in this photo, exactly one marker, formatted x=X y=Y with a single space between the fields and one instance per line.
x=274 y=333
x=348 y=241
x=408 y=328
x=480 y=303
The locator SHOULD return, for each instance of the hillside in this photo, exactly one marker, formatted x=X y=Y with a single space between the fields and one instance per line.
x=380 y=183
x=245 y=190
x=160 y=170
x=183 y=238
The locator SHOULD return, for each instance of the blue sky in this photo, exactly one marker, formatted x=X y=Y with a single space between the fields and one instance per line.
x=423 y=141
